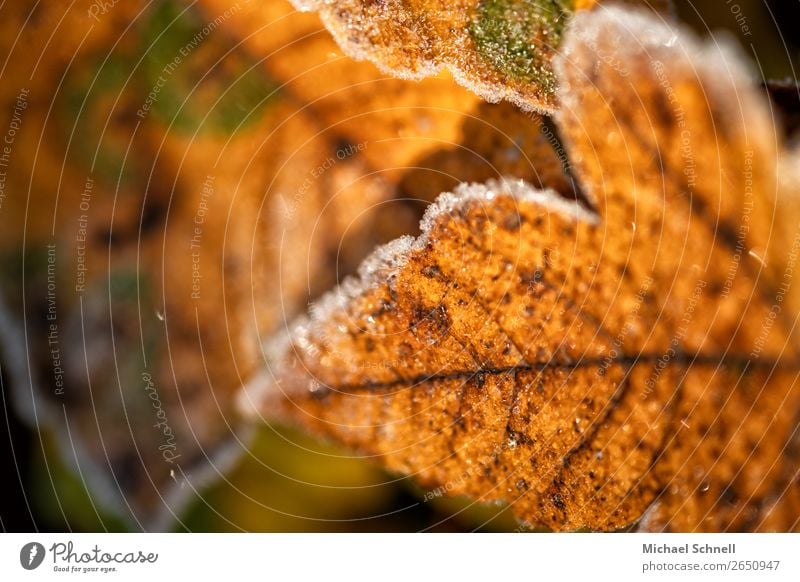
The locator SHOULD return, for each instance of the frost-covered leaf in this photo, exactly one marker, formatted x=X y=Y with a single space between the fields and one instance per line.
x=189 y=224
x=501 y=49
x=635 y=362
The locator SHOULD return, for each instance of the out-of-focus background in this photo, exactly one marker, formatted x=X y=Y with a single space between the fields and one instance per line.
x=179 y=179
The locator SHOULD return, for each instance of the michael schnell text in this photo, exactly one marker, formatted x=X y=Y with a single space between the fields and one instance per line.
x=688 y=549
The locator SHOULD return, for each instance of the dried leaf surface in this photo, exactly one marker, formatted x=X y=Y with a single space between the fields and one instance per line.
x=595 y=368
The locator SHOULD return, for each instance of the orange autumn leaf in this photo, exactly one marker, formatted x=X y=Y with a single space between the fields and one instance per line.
x=631 y=363
x=500 y=49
